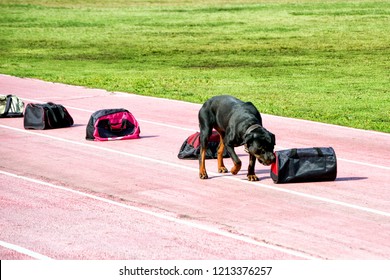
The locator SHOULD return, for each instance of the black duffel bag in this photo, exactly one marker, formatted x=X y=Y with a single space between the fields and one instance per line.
x=46 y=116
x=304 y=165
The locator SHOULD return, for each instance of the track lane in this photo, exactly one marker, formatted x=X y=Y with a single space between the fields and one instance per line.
x=258 y=212
x=119 y=231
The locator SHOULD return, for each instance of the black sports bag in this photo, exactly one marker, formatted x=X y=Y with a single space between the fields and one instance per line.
x=190 y=149
x=46 y=116
x=304 y=165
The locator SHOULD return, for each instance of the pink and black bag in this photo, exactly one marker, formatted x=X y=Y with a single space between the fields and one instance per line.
x=112 y=124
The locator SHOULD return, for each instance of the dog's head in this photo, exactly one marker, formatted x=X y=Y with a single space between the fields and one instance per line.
x=260 y=143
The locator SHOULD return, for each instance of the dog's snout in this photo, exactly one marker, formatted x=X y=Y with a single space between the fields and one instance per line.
x=267 y=158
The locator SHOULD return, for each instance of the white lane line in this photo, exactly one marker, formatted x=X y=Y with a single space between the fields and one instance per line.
x=194 y=130
x=319 y=198
x=165 y=217
x=168 y=125
x=180 y=166
x=331 y=125
x=364 y=163
x=23 y=251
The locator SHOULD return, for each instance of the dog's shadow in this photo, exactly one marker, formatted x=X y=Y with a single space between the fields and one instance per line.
x=263 y=171
x=228 y=174
x=258 y=172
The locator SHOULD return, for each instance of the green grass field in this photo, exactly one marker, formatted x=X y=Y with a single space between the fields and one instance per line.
x=327 y=61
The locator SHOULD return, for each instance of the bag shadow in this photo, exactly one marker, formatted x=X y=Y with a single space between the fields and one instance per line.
x=351 y=179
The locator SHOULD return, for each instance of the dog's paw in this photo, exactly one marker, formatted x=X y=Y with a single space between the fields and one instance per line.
x=253 y=178
x=222 y=169
x=235 y=169
x=203 y=175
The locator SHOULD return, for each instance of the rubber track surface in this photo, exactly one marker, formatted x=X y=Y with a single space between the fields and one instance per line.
x=63 y=197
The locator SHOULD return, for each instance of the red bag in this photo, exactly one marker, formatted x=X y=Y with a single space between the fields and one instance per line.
x=190 y=149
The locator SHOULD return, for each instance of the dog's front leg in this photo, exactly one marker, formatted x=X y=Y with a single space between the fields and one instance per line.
x=251 y=169
x=236 y=160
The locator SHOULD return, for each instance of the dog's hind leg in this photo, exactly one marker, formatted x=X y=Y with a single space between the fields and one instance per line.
x=204 y=136
x=205 y=132
x=202 y=164
x=236 y=160
x=221 y=148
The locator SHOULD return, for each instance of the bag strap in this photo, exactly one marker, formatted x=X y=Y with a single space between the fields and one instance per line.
x=123 y=125
x=8 y=104
x=320 y=153
x=294 y=153
x=62 y=110
x=195 y=138
x=49 y=106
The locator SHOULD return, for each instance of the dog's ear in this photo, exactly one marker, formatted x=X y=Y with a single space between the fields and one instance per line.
x=273 y=139
x=260 y=133
x=267 y=136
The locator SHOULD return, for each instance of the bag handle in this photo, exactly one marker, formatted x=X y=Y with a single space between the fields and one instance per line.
x=48 y=106
x=320 y=153
x=60 y=108
x=195 y=138
x=294 y=152
x=123 y=125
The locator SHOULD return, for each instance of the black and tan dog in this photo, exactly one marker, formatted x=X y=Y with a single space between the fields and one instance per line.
x=238 y=123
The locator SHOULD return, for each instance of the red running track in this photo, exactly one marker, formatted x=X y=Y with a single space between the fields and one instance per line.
x=63 y=197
